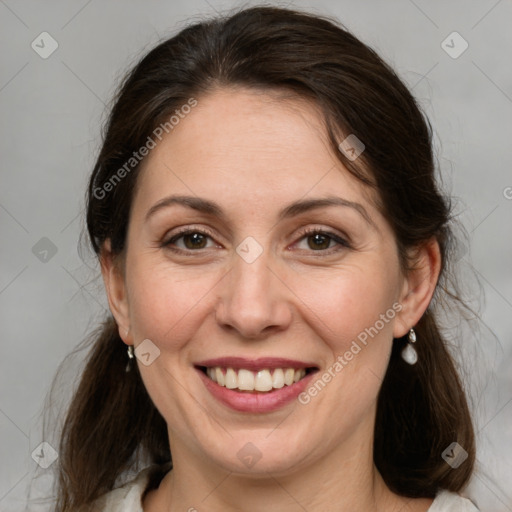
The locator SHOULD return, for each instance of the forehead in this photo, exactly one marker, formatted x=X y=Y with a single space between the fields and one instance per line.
x=242 y=144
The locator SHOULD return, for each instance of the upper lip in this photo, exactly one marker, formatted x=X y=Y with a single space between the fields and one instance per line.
x=255 y=364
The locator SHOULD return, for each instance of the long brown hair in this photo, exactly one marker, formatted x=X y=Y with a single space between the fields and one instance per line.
x=112 y=424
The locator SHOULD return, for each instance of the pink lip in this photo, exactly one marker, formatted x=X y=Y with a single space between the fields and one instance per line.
x=255 y=402
x=255 y=364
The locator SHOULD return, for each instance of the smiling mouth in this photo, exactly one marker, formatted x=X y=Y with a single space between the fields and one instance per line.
x=261 y=381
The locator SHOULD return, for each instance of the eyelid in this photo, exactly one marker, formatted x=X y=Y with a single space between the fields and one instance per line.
x=185 y=230
x=340 y=239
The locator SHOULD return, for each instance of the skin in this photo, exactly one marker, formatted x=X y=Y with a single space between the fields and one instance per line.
x=253 y=153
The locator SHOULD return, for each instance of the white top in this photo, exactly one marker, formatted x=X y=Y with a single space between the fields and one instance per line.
x=128 y=498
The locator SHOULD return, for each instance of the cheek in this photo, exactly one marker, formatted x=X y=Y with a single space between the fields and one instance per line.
x=346 y=304
x=165 y=302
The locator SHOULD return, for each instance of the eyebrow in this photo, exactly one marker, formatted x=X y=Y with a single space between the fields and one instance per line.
x=293 y=209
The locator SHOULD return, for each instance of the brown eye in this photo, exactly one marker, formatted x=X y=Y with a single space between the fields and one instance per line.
x=319 y=241
x=194 y=240
x=322 y=241
x=188 y=240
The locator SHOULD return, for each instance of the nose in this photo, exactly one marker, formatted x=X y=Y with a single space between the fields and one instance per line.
x=254 y=300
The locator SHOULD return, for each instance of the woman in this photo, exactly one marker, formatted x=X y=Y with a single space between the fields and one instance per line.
x=271 y=238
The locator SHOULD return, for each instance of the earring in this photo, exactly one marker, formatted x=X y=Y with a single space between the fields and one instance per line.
x=409 y=354
x=130 y=357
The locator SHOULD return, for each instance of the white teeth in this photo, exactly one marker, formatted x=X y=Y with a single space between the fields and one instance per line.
x=231 y=380
x=288 y=376
x=278 y=378
x=245 y=380
x=220 y=376
x=262 y=380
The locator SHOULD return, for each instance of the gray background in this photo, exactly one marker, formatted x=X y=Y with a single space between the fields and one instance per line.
x=52 y=109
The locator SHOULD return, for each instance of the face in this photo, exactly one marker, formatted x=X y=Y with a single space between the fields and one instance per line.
x=259 y=287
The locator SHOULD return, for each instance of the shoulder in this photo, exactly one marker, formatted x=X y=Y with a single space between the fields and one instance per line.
x=126 y=498
x=447 y=501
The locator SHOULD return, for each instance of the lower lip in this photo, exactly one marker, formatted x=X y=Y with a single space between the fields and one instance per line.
x=255 y=402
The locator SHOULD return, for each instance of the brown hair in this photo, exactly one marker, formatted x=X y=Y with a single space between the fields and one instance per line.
x=112 y=423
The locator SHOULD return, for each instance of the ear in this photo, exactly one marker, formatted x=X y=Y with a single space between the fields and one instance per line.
x=115 y=287
x=419 y=286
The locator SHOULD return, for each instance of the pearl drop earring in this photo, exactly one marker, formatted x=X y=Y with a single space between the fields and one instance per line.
x=409 y=354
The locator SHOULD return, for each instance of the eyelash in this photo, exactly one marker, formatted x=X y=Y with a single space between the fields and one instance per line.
x=303 y=234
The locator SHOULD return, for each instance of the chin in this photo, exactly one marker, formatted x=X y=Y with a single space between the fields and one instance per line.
x=258 y=454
